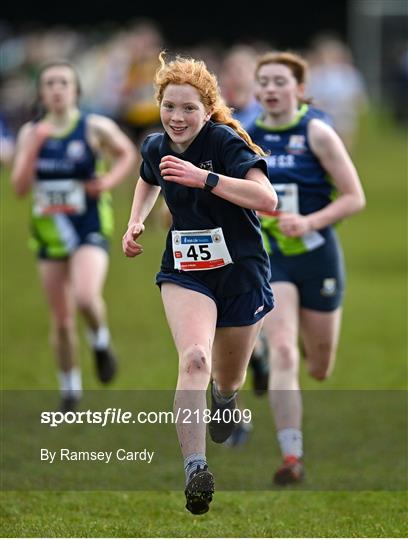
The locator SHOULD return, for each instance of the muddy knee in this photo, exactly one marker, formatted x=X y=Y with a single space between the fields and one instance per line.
x=195 y=361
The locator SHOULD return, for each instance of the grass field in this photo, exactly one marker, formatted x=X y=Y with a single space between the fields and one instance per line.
x=371 y=356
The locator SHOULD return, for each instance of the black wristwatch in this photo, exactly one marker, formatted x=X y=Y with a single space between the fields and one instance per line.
x=211 y=181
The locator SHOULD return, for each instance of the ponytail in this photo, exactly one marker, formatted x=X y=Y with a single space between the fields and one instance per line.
x=223 y=115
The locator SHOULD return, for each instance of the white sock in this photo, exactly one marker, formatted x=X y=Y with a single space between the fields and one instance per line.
x=70 y=383
x=100 y=338
x=291 y=442
x=192 y=461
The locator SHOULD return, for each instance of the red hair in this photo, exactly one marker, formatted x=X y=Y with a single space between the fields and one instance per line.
x=195 y=73
x=294 y=62
x=297 y=65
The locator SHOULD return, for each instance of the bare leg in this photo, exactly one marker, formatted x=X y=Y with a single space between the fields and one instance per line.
x=192 y=318
x=89 y=266
x=281 y=327
x=231 y=353
x=320 y=333
x=281 y=330
x=55 y=280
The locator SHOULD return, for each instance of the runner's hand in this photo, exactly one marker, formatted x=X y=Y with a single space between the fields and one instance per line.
x=130 y=247
x=183 y=172
x=294 y=224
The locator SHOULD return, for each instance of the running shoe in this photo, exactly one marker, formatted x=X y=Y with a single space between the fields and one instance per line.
x=199 y=490
x=259 y=364
x=222 y=422
x=239 y=436
x=291 y=472
x=68 y=403
x=106 y=364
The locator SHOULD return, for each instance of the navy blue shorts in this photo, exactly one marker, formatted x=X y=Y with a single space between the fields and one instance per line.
x=319 y=275
x=90 y=239
x=58 y=236
x=240 y=310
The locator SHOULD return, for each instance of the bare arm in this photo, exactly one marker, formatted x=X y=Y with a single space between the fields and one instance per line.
x=29 y=142
x=143 y=201
x=333 y=156
x=105 y=136
x=257 y=193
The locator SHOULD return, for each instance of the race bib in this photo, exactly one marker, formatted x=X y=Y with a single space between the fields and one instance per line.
x=288 y=198
x=200 y=250
x=59 y=196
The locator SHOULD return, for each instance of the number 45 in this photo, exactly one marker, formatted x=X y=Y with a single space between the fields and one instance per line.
x=204 y=254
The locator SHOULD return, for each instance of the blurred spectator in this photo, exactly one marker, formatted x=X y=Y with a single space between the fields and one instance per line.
x=237 y=83
x=336 y=86
x=104 y=67
x=139 y=108
x=399 y=85
x=211 y=52
x=17 y=99
x=21 y=57
x=7 y=142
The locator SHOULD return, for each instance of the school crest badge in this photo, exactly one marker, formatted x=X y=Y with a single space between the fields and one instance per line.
x=296 y=144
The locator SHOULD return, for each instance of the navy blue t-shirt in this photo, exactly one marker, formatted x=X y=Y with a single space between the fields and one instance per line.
x=220 y=149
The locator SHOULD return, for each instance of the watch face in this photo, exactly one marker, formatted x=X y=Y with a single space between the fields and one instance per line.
x=212 y=181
